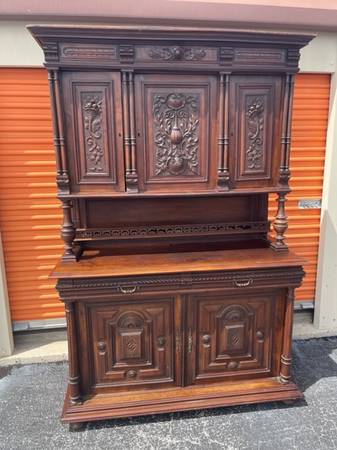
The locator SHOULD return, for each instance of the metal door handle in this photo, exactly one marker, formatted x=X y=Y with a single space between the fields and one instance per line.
x=128 y=290
x=243 y=283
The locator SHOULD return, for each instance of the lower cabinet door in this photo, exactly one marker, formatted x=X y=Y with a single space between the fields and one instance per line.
x=229 y=336
x=132 y=343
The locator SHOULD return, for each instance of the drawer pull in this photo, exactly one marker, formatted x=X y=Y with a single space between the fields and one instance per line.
x=243 y=283
x=190 y=342
x=128 y=290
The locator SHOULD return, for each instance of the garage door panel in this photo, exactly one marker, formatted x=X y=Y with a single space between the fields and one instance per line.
x=310 y=119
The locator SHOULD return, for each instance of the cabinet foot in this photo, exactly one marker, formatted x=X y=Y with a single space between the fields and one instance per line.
x=77 y=426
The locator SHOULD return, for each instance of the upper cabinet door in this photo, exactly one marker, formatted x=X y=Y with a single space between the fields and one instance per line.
x=94 y=140
x=254 y=131
x=176 y=132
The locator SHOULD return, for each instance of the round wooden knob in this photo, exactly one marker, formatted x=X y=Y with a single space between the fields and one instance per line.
x=232 y=365
x=131 y=373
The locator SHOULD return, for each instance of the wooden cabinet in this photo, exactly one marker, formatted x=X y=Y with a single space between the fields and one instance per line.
x=255 y=130
x=168 y=142
x=233 y=336
x=176 y=129
x=173 y=339
x=142 y=342
x=94 y=131
x=133 y=343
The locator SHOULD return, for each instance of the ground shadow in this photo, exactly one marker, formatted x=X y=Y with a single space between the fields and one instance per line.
x=312 y=361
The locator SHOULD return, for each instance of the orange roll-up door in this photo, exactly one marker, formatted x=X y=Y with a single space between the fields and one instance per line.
x=30 y=214
x=309 y=127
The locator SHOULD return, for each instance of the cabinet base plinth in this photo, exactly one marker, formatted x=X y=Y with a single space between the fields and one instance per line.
x=138 y=403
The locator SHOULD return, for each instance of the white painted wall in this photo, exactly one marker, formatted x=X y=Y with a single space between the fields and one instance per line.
x=326 y=286
x=18 y=48
x=320 y=55
x=6 y=334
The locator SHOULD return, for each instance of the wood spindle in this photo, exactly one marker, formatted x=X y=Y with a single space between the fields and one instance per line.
x=68 y=232
x=286 y=131
x=63 y=182
x=221 y=125
x=289 y=120
x=51 y=79
x=134 y=177
x=280 y=224
x=126 y=124
x=223 y=173
x=285 y=367
x=74 y=375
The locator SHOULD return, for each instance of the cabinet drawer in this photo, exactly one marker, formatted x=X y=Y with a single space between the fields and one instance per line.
x=132 y=343
x=230 y=336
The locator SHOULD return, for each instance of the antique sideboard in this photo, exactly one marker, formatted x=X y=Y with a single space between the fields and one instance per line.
x=168 y=142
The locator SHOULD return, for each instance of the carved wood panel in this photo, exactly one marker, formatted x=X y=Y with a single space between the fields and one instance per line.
x=132 y=342
x=232 y=336
x=175 y=124
x=94 y=130
x=254 y=141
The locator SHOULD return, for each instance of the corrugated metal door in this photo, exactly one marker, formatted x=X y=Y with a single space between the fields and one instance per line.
x=309 y=127
x=30 y=215
x=29 y=211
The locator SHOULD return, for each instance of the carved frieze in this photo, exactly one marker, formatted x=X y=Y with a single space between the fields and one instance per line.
x=264 y=277
x=255 y=107
x=144 y=231
x=91 y=52
x=92 y=115
x=176 y=134
x=177 y=53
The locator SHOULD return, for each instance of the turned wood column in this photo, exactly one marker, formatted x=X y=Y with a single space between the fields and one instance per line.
x=285 y=368
x=74 y=375
x=129 y=125
x=223 y=140
x=62 y=176
x=68 y=232
x=286 y=130
x=280 y=224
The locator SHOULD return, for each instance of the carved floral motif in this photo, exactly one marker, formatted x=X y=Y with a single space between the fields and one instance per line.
x=255 y=127
x=176 y=134
x=92 y=114
x=177 y=53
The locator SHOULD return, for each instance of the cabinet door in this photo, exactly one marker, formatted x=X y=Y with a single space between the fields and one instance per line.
x=229 y=336
x=176 y=132
x=94 y=131
x=255 y=139
x=132 y=343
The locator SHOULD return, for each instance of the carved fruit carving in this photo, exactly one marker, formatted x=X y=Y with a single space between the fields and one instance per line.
x=255 y=129
x=176 y=134
x=92 y=113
